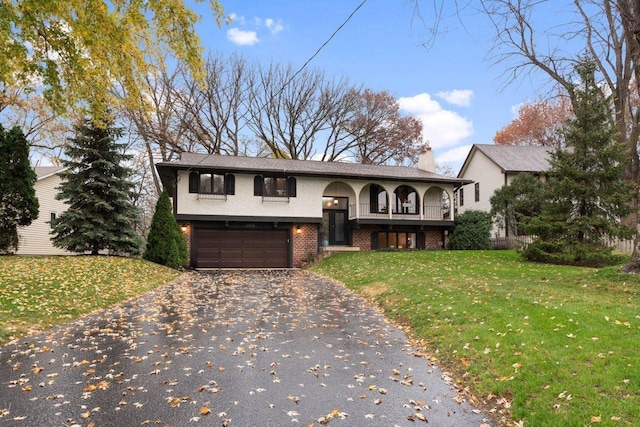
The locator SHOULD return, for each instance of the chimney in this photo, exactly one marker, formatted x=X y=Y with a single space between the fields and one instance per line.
x=427 y=161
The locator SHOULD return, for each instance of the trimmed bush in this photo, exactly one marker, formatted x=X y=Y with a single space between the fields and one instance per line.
x=165 y=244
x=472 y=230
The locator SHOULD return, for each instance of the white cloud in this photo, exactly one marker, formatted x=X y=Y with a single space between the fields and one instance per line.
x=455 y=155
x=241 y=37
x=273 y=26
x=457 y=97
x=515 y=109
x=237 y=19
x=441 y=128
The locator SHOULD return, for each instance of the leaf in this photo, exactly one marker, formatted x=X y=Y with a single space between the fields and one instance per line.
x=205 y=411
x=420 y=417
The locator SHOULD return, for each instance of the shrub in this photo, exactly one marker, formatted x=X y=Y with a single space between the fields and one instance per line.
x=564 y=254
x=165 y=244
x=472 y=230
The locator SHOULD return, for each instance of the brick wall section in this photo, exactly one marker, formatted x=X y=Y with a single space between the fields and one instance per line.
x=304 y=243
x=361 y=237
x=433 y=239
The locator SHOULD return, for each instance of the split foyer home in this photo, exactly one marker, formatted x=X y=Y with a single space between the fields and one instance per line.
x=35 y=239
x=488 y=167
x=265 y=212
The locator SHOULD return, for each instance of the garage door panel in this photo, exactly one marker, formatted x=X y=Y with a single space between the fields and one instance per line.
x=223 y=248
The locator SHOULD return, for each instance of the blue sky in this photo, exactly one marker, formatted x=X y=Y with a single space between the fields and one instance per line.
x=452 y=86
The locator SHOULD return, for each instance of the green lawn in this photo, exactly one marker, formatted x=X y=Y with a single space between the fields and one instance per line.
x=37 y=293
x=546 y=345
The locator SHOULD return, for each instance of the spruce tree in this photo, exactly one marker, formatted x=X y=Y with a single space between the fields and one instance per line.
x=97 y=189
x=165 y=244
x=514 y=205
x=18 y=202
x=587 y=197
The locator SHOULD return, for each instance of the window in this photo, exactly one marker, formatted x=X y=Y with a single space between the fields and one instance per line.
x=477 y=191
x=211 y=183
x=461 y=194
x=274 y=186
x=52 y=219
x=394 y=240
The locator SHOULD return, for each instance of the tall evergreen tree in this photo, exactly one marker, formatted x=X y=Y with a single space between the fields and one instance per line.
x=165 y=243
x=514 y=205
x=98 y=191
x=18 y=202
x=587 y=197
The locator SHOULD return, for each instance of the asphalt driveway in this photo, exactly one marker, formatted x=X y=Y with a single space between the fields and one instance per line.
x=234 y=348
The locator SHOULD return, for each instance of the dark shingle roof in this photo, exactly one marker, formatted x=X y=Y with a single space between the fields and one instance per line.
x=265 y=165
x=514 y=158
x=301 y=167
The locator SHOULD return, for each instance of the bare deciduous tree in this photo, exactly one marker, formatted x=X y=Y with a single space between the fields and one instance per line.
x=215 y=114
x=381 y=133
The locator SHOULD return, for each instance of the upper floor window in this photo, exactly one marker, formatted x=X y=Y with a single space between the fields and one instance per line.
x=211 y=183
x=461 y=196
x=274 y=186
x=477 y=191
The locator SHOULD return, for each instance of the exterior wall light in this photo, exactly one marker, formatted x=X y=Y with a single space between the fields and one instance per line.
x=298 y=230
x=183 y=228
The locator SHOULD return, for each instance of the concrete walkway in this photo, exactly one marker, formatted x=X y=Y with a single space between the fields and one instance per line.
x=234 y=348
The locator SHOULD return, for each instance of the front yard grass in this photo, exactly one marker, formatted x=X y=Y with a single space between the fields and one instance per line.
x=539 y=344
x=37 y=293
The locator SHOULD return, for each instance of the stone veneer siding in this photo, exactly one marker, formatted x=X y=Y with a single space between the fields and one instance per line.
x=187 y=238
x=305 y=243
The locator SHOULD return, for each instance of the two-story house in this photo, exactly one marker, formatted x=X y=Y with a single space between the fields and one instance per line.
x=489 y=167
x=265 y=212
x=35 y=239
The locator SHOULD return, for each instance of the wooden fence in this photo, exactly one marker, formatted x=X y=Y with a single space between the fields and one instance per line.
x=517 y=242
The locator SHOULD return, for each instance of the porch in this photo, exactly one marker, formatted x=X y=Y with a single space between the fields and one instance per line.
x=406 y=211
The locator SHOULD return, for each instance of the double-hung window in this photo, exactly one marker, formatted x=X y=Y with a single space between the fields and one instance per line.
x=211 y=183
x=274 y=186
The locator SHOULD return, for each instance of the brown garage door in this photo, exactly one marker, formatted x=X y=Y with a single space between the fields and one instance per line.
x=225 y=248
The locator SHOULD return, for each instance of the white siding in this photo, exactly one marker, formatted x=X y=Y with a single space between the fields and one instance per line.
x=307 y=204
x=35 y=239
x=490 y=177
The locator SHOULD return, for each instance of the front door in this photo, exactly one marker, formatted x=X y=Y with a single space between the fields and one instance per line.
x=337 y=228
x=334 y=221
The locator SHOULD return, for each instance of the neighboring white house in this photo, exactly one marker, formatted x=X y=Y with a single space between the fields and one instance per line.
x=492 y=166
x=264 y=212
x=35 y=239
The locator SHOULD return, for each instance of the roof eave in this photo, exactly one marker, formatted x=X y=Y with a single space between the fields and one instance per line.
x=165 y=166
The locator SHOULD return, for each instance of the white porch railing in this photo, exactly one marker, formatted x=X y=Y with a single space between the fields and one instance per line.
x=406 y=212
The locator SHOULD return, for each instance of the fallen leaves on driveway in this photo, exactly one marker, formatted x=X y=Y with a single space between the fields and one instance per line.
x=255 y=348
